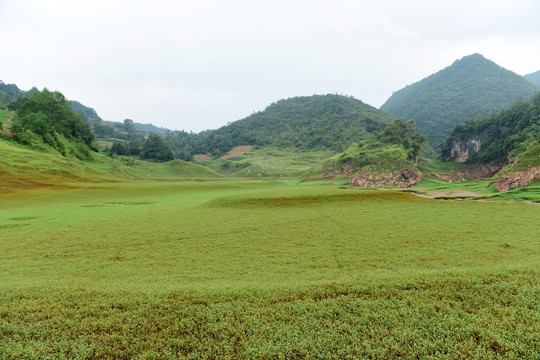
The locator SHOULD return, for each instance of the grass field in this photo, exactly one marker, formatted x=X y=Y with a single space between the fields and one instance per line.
x=210 y=267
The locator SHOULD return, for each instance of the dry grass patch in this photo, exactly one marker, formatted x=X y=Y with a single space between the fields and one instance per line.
x=236 y=152
x=203 y=158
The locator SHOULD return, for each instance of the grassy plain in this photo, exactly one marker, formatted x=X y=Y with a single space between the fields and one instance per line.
x=213 y=267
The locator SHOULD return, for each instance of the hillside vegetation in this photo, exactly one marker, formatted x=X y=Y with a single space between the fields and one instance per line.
x=503 y=135
x=44 y=118
x=23 y=169
x=396 y=147
x=305 y=123
x=470 y=86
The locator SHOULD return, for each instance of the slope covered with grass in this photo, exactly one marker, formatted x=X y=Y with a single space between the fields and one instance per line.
x=24 y=168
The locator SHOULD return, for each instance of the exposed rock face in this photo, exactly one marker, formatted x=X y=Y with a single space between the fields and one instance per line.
x=459 y=152
x=405 y=178
x=513 y=180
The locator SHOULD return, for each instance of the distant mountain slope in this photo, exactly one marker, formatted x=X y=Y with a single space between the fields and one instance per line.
x=496 y=138
x=11 y=90
x=534 y=78
x=151 y=128
x=90 y=115
x=308 y=122
x=470 y=86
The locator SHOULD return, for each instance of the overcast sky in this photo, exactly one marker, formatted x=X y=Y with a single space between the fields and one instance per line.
x=198 y=64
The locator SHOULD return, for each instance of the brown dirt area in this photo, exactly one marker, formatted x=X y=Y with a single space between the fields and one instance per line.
x=456 y=194
x=236 y=152
x=203 y=158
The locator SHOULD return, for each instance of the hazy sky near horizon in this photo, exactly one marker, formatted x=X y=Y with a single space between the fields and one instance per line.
x=199 y=64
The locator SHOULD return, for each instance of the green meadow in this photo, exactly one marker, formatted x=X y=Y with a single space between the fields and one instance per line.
x=152 y=266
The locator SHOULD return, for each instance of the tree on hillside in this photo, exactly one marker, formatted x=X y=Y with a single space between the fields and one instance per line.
x=129 y=127
x=46 y=113
x=156 y=149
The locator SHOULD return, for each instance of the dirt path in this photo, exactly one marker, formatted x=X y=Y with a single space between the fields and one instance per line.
x=456 y=194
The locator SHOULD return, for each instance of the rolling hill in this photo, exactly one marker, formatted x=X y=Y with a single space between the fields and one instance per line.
x=306 y=123
x=471 y=86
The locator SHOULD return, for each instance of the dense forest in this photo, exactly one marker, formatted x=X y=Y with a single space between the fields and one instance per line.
x=470 y=86
x=507 y=133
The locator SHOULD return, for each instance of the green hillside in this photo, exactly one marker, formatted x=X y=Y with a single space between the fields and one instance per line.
x=394 y=148
x=534 y=78
x=307 y=123
x=470 y=86
x=501 y=136
x=22 y=168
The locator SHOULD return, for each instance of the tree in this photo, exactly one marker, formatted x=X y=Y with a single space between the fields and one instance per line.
x=129 y=127
x=136 y=144
x=48 y=116
x=156 y=149
x=45 y=112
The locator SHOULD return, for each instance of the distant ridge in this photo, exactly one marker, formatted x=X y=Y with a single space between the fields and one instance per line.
x=471 y=86
x=534 y=78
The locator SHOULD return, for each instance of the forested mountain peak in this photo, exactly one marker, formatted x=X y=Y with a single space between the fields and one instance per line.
x=470 y=86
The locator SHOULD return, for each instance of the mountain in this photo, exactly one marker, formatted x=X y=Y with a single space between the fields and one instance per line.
x=534 y=78
x=307 y=122
x=471 y=86
x=497 y=138
x=8 y=93
x=151 y=128
x=11 y=90
x=90 y=115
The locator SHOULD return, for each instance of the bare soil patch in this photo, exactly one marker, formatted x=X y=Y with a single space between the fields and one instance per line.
x=456 y=194
x=202 y=157
x=237 y=152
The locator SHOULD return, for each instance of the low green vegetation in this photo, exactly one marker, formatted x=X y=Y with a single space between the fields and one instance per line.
x=265 y=269
x=22 y=168
x=5 y=115
x=273 y=162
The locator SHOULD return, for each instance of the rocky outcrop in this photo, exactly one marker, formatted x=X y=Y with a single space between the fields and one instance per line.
x=460 y=148
x=404 y=178
x=513 y=180
x=475 y=172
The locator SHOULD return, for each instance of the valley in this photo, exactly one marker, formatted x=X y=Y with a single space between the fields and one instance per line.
x=320 y=227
